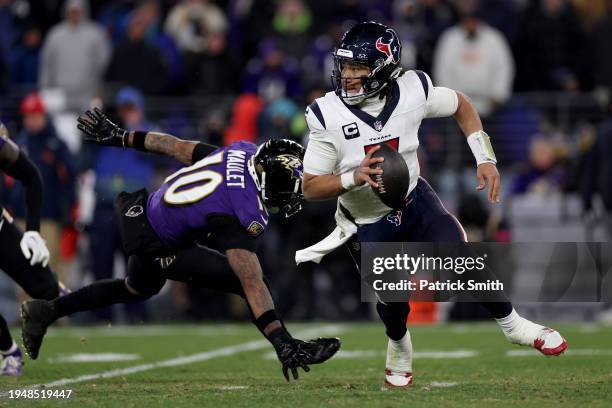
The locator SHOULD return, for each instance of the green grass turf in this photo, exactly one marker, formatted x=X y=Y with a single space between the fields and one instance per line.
x=489 y=379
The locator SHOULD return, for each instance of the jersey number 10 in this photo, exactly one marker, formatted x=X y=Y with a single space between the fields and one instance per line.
x=188 y=185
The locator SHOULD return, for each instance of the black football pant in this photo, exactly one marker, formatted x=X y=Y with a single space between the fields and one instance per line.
x=37 y=281
x=423 y=218
x=147 y=275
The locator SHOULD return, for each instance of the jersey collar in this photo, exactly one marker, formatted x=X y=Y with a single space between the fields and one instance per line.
x=377 y=123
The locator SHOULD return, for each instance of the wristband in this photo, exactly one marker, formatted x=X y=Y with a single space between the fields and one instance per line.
x=347 y=180
x=138 y=141
x=480 y=144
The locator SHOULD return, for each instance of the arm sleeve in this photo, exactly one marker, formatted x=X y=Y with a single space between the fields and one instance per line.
x=202 y=150
x=441 y=101
x=320 y=157
x=228 y=233
x=25 y=171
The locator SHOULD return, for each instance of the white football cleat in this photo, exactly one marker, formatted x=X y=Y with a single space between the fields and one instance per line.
x=544 y=339
x=398 y=371
x=395 y=379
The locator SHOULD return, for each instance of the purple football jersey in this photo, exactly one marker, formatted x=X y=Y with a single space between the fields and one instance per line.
x=220 y=183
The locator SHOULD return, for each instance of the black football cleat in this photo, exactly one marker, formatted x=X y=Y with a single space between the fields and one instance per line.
x=320 y=350
x=36 y=316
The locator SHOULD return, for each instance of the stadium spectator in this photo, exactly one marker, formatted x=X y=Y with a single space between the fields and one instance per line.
x=596 y=177
x=543 y=175
x=291 y=24
x=191 y=21
x=271 y=75
x=547 y=48
x=275 y=121
x=419 y=24
x=74 y=56
x=600 y=54
x=214 y=71
x=56 y=165
x=318 y=63
x=26 y=57
x=475 y=58
x=137 y=63
x=245 y=26
x=118 y=170
x=10 y=28
x=243 y=125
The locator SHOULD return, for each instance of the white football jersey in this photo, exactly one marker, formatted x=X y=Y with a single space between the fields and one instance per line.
x=352 y=132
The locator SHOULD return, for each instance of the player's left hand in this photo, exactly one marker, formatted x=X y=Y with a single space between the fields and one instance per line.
x=98 y=128
x=34 y=248
x=488 y=172
x=291 y=357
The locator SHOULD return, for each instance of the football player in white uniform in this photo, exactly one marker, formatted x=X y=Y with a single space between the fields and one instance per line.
x=375 y=101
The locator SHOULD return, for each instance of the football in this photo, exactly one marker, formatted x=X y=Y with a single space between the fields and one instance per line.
x=394 y=182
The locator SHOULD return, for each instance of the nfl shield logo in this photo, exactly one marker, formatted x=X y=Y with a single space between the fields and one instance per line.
x=378 y=125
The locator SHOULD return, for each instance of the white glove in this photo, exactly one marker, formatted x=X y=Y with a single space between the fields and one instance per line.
x=34 y=248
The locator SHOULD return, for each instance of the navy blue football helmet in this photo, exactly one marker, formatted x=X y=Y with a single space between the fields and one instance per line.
x=373 y=45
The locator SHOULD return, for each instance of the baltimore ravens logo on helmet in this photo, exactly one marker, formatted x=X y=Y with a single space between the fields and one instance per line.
x=293 y=164
x=279 y=169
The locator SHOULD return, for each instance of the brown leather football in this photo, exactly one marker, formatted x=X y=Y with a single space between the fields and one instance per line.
x=394 y=182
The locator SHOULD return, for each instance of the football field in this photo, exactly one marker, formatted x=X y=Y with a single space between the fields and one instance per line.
x=229 y=365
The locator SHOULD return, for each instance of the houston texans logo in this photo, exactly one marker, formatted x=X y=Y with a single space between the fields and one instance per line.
x=396 y=218
x=385 y=48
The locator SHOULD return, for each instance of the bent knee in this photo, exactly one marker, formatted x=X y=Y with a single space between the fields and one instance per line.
x=144 y=292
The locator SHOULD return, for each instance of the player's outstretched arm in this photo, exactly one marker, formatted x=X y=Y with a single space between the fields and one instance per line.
x=101 y=130
x=17 y=165
x=469 y=121
x=245 y=265
x=290 y=352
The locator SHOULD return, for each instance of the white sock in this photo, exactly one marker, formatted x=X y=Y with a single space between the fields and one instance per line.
x=11 y=349
x=509 y=323
x=519 y=330
x=403 y=346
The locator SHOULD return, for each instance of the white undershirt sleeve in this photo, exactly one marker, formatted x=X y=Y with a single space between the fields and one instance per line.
x=441 y=102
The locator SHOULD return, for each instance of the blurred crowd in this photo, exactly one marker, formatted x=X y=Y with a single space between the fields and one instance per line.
x=538 y=71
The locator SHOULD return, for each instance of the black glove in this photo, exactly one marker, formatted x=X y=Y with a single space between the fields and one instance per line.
x=99 y=129
x=291 y=357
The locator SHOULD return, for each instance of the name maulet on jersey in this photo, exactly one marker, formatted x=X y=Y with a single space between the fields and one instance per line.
x=220 y=183
x=353 y=132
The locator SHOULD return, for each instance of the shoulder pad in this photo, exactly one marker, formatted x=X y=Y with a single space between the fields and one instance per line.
x=314 y=117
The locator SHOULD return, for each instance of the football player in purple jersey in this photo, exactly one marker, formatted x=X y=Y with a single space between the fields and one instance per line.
x=200 y=227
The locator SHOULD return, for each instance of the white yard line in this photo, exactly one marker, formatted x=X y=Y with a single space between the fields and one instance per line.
x=425 y=354
x=569 y=352
x=143 y=331
x=328 y=330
